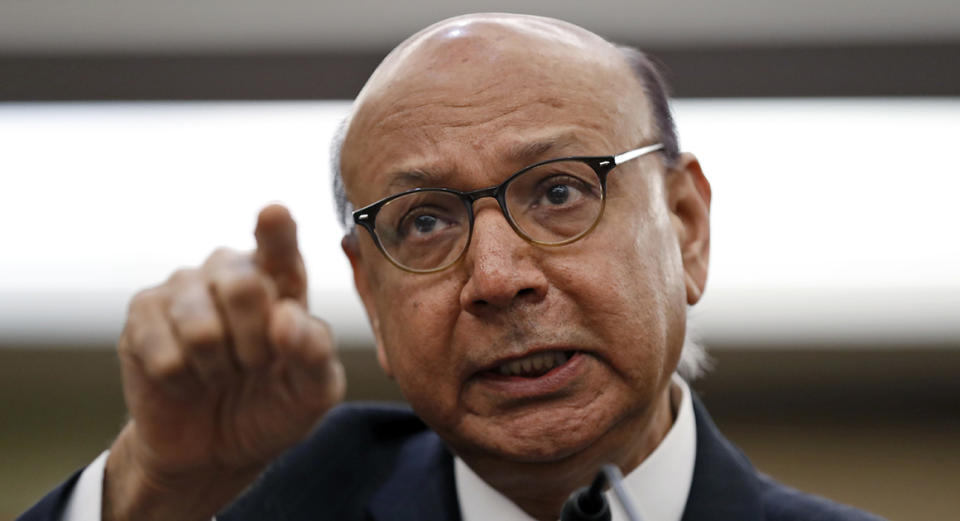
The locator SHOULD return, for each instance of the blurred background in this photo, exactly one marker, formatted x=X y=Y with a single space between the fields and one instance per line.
x=137 y=136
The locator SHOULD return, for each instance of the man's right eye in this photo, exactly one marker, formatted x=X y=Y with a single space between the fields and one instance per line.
x=422 y=223
x=425 y=223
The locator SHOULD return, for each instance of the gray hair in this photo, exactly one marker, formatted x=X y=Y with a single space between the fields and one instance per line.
x=343 y=205
x=694 y=360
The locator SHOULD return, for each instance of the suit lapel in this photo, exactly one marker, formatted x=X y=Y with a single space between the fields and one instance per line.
x=724 y=482
x=421 y=487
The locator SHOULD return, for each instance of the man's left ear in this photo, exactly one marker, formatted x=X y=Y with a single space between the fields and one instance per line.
x=688 y=197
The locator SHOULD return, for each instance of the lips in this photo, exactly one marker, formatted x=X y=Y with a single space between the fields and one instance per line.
x=534 y=365
x=538 y=375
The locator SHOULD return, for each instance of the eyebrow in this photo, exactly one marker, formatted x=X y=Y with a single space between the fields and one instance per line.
x=522 y=154
x=532 y=151
x=407 y=179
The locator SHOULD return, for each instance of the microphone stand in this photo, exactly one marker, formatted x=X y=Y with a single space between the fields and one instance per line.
x=588 y=503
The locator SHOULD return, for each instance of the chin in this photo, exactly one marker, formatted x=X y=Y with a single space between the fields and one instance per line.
x=547 y=437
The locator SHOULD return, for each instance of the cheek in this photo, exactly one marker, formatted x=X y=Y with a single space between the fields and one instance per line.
x=636 y=296
x=416 y=321
x=657 y=252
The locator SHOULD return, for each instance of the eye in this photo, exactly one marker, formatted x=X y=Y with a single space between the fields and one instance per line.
x=560 y=190
x=558 y=194
x=423 y=222
x=421 y=218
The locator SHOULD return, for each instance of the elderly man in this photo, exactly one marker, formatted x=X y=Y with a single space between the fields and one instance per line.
x=527 y=241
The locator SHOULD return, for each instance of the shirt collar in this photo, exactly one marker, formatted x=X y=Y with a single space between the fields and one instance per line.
x=658 y=486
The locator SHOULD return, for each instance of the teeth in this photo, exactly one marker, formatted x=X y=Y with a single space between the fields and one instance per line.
x=560 y=358
x=538 y=363
x=533 y=365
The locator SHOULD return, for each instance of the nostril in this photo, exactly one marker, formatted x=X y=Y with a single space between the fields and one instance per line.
x=525 y=292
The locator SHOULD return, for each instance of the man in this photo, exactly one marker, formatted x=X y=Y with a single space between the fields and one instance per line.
x=528 y=238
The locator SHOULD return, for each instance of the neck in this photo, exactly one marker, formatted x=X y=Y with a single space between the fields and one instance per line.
x=540 y=489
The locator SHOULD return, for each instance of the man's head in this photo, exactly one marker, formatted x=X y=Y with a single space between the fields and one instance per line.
x=463 y=104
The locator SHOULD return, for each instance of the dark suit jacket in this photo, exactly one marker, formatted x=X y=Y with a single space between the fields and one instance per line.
x=379 y=463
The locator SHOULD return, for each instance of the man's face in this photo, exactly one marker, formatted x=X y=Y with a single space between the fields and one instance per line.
x=464 y=109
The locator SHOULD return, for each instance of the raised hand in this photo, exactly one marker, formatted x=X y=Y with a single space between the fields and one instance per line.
x=223 y=369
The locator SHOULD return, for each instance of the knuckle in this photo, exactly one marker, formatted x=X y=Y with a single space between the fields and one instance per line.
x=254 y=358
x=193 y=316
x=166 y=367
x=244 y=290
x=137 y=334
x=222 y=256
x=144 y=299
x=323 y=343
x=182 y=276
x=318 y=355
x=134 y=335
x=201 y=334
x=319 y=349
x=190 y=302
x=146 y=343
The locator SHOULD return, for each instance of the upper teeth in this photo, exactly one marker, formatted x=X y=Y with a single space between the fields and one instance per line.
x=535 y=364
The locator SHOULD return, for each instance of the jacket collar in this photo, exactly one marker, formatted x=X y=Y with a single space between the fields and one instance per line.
x=421 y=487
x=724 y=483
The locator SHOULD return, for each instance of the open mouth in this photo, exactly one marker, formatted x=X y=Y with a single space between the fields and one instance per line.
x=534 y=365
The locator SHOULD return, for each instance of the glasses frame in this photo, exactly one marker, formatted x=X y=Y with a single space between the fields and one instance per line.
x=601 y=165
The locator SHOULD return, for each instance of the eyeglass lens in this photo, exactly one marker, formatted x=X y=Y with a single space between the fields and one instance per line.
x=550 y=204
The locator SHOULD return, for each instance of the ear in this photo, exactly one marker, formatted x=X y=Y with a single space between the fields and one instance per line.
x=688 y=197
x=361 y=279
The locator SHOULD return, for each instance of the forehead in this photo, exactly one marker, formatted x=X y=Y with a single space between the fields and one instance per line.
x=475 y=94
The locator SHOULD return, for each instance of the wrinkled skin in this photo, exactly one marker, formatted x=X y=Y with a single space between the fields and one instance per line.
x=465 y=103
x=223 y=369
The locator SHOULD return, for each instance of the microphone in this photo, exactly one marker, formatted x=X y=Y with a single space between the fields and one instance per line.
x=588 y=503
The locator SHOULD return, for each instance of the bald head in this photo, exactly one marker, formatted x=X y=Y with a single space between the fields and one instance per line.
x=509 y=60
x=489 y=41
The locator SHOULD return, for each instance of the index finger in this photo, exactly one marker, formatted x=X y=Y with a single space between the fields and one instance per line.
x=278 y=253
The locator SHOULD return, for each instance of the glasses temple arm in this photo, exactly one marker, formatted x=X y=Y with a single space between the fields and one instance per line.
x=635 y=153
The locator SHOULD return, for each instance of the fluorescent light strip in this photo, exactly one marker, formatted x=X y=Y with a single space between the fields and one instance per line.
x=833 y=219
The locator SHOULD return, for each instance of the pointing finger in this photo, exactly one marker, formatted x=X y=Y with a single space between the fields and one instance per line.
x=278 y=253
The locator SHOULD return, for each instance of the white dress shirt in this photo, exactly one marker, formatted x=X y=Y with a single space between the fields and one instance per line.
x=85 y=500
x=659 y=486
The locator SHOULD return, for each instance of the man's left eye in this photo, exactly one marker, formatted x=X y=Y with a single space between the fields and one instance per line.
x=558 y=194
x=560 y=191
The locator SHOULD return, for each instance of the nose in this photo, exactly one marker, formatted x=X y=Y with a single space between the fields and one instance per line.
x=503 y=270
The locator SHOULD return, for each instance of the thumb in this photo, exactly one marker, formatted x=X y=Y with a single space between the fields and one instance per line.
x=315 y=374
x=278 y=253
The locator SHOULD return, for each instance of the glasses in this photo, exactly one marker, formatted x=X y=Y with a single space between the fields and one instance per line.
x=550 y=203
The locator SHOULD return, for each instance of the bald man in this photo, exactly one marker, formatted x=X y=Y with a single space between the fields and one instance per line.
x=526 y=241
